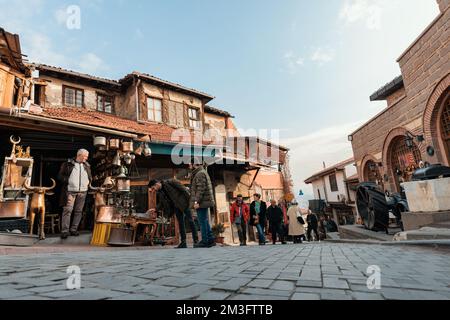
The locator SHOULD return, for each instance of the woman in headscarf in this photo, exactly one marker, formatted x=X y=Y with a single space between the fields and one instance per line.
x=296 y=222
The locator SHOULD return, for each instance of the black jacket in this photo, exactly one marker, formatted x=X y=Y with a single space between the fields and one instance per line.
x=312 y=221
x=262 y=212
x=275 y=214
x=172 y=195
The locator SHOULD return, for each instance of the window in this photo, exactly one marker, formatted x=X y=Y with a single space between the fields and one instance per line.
x=105 y=103
x=154 y=109
x=194 y=118
x=333 y=183
x=73 y=97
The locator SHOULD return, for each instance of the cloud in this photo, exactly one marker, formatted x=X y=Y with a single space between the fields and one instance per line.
x=368 y=12
x=308 y=152
x=92 y=64
x=61 y=16
x=293 y=62
x=322 y=55
x=39 y=48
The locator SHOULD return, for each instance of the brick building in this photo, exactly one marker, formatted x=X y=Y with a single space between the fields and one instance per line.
x=415 y=126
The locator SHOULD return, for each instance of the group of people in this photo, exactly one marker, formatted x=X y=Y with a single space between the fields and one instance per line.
x=280 y=225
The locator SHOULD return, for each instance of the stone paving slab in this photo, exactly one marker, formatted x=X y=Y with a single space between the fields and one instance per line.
x=331 y=271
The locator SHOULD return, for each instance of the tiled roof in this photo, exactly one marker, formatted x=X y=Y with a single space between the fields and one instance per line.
x=157 y=131
x=44 y=67
x=209 y=109
x=172 y=85
x=388 y=89
x=326 y=171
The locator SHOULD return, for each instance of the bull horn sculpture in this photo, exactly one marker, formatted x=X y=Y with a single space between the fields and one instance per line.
x=14 y=142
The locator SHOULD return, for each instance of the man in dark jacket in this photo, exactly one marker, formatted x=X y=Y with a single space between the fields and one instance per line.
x=258 y=217
x=75 y=176
x=313 y=225
x=202 y=198
x=275 y=216
x=172 y=196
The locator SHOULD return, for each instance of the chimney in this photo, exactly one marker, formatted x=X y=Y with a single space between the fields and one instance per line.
x=443 y=5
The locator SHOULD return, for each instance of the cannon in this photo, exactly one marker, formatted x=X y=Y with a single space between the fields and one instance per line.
x=372 y=206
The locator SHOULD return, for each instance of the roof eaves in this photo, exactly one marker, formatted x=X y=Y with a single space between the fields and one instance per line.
x=149 y=77
x=45 y=67
x=388 y=89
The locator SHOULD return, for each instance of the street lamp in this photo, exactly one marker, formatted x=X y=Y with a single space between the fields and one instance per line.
x=409 y=139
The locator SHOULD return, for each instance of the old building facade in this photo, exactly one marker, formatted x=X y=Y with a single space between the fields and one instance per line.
x=335 y=192
x=415 y=126
x=57 y=111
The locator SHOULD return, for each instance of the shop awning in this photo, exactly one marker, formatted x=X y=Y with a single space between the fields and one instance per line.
x=184 y=150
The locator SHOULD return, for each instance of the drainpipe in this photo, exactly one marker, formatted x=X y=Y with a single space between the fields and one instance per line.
x=137 y=98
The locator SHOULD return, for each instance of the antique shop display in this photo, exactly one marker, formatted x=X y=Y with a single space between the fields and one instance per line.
x=37 y=206
x=17 y=170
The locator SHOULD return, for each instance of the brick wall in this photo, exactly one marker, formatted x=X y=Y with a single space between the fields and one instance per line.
x=443 y=4
x=424 y=66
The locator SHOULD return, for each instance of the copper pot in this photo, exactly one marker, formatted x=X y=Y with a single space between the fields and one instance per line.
x=108 y=214
x=121 y=237
x=123 y=185
x=114 y=144
x=12 y=209
x=127 y=146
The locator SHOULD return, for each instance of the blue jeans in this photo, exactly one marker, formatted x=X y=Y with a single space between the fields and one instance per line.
x=262 y=237
x=205 y=228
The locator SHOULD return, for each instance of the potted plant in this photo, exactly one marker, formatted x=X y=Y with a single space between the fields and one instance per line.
x=217 y=231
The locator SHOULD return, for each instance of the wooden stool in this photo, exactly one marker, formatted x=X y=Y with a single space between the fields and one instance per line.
x=52 y=221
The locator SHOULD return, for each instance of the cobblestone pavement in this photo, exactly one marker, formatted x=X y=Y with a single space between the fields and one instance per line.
x=298 y=272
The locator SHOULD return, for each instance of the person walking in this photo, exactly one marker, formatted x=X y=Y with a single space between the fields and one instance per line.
x=275 y=216
x=296 y=222
x=240 y=216
x=258 y=217
x=75 y=176
x=172 y=196
x=313 y=225
x=202 y=198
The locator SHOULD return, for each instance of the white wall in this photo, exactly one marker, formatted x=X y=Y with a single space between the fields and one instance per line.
x=317 y=186
x=350 y=170
x=332 y=196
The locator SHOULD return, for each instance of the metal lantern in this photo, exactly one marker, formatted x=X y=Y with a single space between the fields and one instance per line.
x=147 y=150
x=409 y=140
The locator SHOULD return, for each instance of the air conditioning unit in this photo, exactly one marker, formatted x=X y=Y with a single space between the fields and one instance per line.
x=343 y=198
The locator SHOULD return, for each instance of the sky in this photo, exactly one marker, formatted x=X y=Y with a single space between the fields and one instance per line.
x=305 y=68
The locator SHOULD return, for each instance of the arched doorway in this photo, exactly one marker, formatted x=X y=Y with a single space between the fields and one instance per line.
x=403 y=161
x=445 y=126
x=372 y=172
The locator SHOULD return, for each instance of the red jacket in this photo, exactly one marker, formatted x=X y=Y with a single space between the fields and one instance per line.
x=235 y=209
